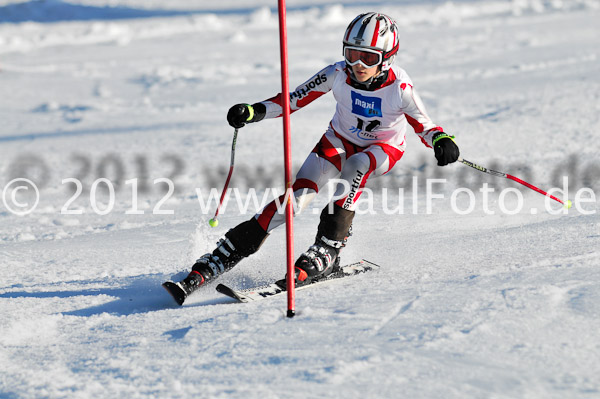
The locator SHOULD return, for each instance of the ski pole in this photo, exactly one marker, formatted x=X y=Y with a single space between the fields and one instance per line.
x=567 y=205
x=214 y=222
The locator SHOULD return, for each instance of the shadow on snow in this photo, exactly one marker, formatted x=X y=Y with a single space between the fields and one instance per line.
x=48 y=11
x=60 y=11
x=141 y=294
x=99 y=131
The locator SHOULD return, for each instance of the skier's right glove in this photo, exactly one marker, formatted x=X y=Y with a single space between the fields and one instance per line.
x=240 y=114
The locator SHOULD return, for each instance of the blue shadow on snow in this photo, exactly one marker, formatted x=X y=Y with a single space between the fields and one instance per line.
x=60 y=11
x=132 y=295
x=99 y=131
x=48 y=11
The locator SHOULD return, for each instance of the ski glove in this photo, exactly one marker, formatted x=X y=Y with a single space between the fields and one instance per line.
x=240 y=114
x=446 y=150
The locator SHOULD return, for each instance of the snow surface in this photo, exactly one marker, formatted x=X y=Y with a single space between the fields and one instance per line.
x=472 y=305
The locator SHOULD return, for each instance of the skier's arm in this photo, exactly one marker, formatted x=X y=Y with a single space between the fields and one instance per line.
x=433 y=136
x=307 y=92
x=417 y=117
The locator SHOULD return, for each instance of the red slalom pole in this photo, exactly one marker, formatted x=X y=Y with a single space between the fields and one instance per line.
x=287 y=153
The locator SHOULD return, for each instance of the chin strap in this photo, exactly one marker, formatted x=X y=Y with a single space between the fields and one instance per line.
x=371 y=84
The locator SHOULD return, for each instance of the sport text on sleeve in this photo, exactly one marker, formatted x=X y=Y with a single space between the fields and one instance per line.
x=307 y=92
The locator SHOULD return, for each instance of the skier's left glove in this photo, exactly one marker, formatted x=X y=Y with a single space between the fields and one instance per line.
x=240 y=114
x=446 y=150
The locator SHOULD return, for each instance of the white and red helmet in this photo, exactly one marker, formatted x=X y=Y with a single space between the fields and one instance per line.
x=371 y=33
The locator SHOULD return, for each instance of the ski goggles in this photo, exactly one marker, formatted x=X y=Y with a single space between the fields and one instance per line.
x=367 y=57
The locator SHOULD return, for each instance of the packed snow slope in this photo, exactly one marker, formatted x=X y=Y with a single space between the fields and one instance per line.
x=480 y=295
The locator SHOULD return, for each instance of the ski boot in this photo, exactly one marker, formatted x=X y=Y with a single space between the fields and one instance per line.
x=322 y=258
x=318 y=261
x=238 y=243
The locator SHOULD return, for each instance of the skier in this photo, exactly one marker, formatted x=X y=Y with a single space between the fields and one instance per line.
x=376 y=102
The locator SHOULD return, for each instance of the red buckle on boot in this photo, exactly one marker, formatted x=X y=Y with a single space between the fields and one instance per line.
x=199 y=274
x=301 y=275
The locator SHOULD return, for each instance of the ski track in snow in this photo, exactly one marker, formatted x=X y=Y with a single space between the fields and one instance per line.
x=464 y=306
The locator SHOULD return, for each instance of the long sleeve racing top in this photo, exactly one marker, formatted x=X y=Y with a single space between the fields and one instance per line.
x=365 y=117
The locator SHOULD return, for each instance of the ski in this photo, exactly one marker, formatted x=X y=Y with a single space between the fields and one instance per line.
x=176 y=290
x=279 y=287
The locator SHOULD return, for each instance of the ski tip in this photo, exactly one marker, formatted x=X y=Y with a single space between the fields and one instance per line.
x=375 y=265
x=175 y=291
x=220 y=288
x=225 y=290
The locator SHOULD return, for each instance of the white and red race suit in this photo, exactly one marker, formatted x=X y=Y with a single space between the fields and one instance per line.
x=366 y=136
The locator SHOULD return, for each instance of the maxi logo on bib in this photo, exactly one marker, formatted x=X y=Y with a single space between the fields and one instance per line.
x=368 y=107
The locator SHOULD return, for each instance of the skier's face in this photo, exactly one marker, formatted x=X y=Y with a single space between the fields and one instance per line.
x=363 y=73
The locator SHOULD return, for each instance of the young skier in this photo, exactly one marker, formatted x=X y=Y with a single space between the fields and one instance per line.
x=376 y=102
